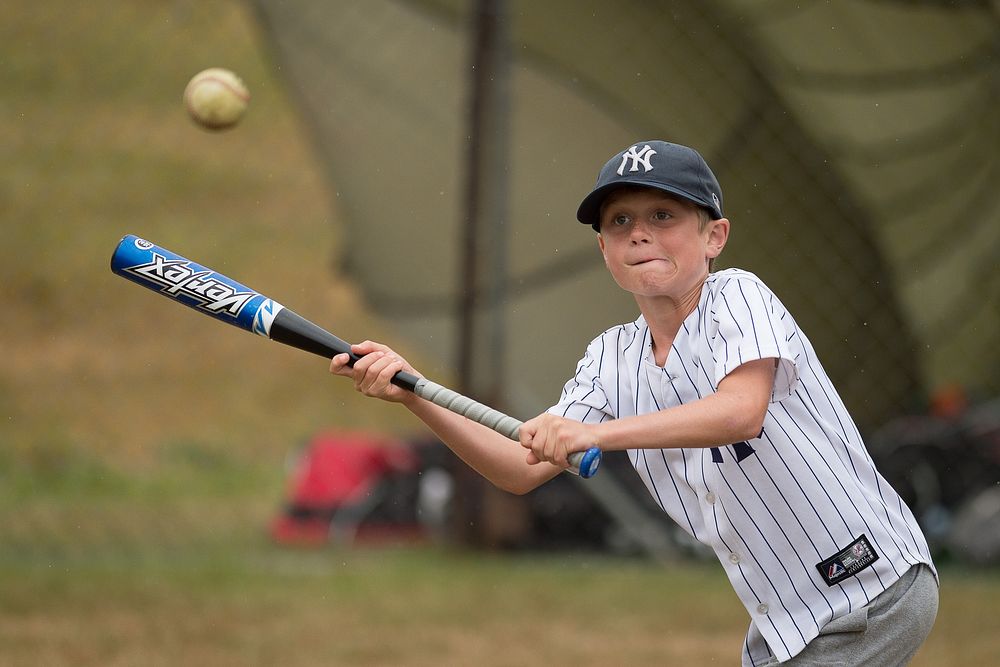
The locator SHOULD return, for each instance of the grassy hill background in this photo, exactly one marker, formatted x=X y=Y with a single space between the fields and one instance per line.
x=106 y=390
x=98 y=145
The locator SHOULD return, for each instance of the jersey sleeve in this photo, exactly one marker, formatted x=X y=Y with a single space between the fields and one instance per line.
x=754 y=325
x=583 y=398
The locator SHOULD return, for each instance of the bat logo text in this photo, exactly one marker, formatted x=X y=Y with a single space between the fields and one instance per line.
x=178 y=278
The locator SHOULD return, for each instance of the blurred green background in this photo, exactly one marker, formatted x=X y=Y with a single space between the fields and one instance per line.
x=143 y=448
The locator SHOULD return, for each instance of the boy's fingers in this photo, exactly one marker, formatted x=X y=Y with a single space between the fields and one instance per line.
x=339 y=365
x=386 y=372
x=526 y=434
x=369 y=373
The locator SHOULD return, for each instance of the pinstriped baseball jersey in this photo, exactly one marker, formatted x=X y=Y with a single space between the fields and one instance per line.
x=805 y=527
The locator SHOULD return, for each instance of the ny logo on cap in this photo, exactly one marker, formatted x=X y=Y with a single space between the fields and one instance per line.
x=642 y=156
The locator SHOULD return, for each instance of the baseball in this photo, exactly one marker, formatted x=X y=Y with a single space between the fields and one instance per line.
x=216 y=98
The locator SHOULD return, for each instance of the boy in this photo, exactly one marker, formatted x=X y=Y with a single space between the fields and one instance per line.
x=731 y=423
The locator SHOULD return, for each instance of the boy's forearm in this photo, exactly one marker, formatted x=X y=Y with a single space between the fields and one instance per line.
x=733 y=414
x=710 y=422
x=498 y=459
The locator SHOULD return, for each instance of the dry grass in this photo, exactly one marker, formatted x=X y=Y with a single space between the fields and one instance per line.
x=258 y=605
x=368 y=608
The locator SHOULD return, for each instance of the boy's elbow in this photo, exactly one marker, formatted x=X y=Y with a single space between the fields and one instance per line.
x=754 y=424
x=747 y=425
x=519 y=487
x=754 y=429
x=517 y=490
x=525 y=481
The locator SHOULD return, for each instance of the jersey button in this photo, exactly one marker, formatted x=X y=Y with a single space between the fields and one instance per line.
x=734 y=558
x=710 y=498
x=762 y=608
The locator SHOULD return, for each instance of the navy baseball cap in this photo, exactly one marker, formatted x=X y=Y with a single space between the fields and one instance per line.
x=673 y=168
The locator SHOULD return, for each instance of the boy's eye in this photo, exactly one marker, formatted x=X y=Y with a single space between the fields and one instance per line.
x=661 y=215
x=621 y=220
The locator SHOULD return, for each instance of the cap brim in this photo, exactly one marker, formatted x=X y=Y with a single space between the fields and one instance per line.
x=589 y=212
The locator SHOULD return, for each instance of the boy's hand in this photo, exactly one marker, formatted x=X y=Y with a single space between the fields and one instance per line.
x=373 y=372
x=552 y=439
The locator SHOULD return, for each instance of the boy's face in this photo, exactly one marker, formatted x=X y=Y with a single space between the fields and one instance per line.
x=652 y=243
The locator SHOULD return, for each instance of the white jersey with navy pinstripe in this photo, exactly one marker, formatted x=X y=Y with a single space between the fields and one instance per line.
x=776 y=510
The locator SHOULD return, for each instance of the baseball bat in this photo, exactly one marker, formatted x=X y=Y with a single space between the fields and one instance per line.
x=216 y=295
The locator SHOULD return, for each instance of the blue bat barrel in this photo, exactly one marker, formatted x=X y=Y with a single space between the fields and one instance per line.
x=194 y=285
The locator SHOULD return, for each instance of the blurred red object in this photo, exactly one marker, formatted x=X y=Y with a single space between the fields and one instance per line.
x=336 y=483
x=949 y=402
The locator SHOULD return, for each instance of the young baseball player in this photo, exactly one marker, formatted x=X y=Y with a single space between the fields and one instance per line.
x=731 y=423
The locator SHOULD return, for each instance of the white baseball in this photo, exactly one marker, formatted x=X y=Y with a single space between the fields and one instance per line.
x=216 y=98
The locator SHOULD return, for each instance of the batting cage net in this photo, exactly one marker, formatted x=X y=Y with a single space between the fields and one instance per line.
x=856 y=143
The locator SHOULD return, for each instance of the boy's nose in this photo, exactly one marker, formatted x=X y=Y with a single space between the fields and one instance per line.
x=639 y=233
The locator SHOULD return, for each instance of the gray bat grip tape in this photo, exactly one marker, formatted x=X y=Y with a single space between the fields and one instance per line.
x=476 y=411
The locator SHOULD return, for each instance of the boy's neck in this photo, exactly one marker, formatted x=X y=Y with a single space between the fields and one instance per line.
x=664 y=317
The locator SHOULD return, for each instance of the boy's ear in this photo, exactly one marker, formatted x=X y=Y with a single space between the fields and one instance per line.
x=604 y=254
x=718 y=234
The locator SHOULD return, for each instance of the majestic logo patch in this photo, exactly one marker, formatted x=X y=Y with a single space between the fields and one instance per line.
x=853 y=558
x=641 y=156
x=177 y=277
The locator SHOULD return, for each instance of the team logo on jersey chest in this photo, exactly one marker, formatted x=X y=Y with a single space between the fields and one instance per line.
x=850 y=560
x=741 y=450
